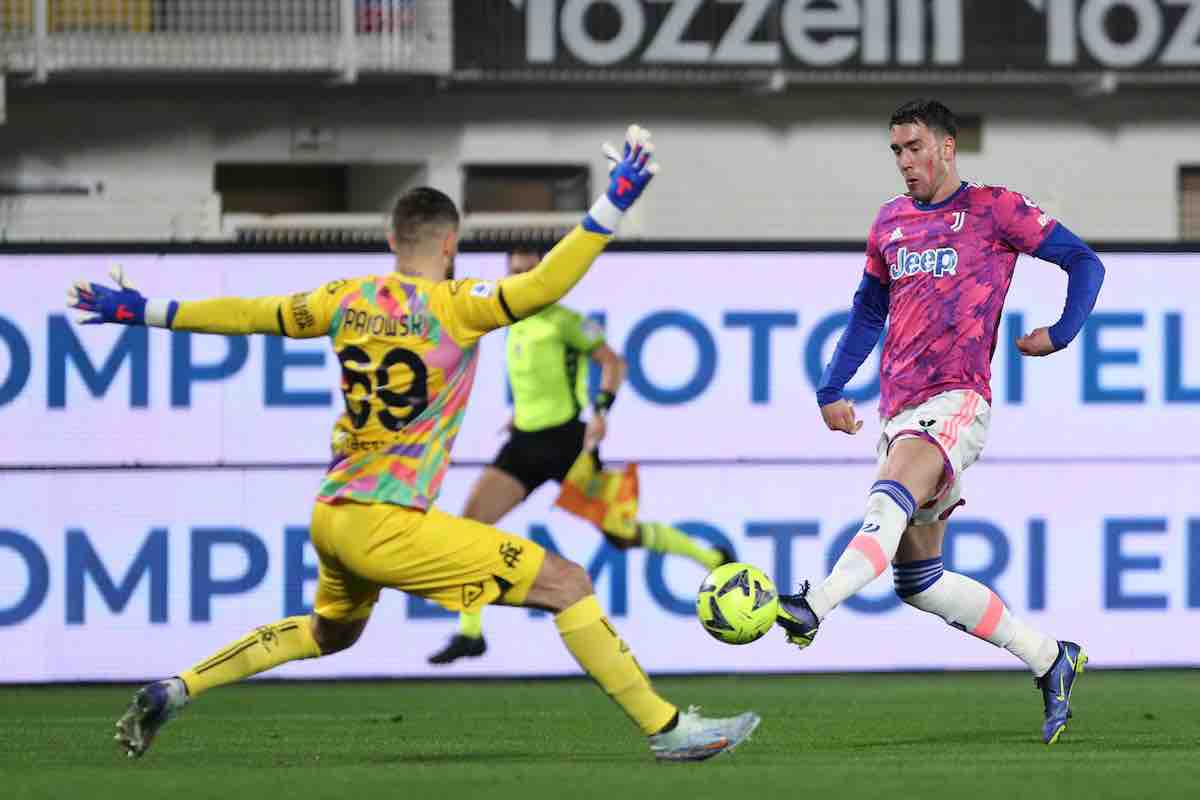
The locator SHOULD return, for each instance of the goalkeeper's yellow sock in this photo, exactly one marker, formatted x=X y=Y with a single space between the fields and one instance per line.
x=470 y=624
x=662 y=538
x=608 y=660
x=266 y=647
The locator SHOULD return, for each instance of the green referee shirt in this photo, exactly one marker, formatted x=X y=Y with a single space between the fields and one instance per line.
x=547 y=359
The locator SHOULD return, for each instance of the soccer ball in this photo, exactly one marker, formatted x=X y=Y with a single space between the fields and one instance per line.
x=737 y=603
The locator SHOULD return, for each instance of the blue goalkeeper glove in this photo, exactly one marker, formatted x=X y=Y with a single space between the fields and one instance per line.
x=629 y=174
x=124 y=305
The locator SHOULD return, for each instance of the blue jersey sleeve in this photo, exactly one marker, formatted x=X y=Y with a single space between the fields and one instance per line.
x=867 y=317
x=1085 y=274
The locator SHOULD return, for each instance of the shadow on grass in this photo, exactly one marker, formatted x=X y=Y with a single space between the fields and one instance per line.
x=969 y=738
x=1083 y=741
x=496 y=757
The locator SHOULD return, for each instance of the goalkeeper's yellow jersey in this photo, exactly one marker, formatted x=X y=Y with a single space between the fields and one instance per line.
x=408 y=349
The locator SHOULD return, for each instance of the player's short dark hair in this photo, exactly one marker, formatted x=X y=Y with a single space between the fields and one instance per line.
x=930 y=113
x=417 y=209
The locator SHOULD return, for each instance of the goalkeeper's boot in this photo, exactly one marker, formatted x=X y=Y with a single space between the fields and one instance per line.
x=797 y=618
x=459 y=647
x=695 y=738
x=1056 y=686
x=152 y=707
x=727 y=556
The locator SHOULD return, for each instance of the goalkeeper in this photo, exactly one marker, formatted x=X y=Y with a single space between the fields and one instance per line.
x=408 y=345
x=547 y=359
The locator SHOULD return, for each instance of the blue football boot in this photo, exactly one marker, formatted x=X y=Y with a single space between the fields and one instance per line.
x=1056 y=686
x=797 y=618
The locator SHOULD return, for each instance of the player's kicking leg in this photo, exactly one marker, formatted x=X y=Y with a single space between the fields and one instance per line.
x=463 y=564
x=908 y=479
x=966 y=604
x=494 y=494
x=156 y=704
x=564 y=588
x=913 y=467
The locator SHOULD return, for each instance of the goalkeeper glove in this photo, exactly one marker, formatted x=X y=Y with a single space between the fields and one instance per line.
x=124 y=305
x=629 y=175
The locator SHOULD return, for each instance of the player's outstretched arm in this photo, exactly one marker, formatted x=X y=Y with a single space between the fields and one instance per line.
x=471 y=308
x=868 y=313
x=296 y=316
x=1085 y=277
x=563 y=267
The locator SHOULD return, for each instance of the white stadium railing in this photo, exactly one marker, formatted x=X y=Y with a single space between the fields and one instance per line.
x=372 y=228
x=41 y=37
x=198 y=217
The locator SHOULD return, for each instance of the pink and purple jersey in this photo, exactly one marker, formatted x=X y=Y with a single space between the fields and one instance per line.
x=947 y=268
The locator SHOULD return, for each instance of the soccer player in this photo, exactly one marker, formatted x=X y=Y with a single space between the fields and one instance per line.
x=546 y=356
x=940 y=259
x=407 y=343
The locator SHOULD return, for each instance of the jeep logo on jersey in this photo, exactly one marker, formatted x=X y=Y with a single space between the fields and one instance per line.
x=938 y=260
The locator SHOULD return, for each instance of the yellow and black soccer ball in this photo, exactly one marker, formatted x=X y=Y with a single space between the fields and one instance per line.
x=737 y=603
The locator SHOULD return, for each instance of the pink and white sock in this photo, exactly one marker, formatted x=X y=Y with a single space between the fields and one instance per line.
x=972 y=607
x=889 y=508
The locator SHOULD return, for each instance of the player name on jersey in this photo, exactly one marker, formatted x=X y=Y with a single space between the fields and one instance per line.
x=385 y=325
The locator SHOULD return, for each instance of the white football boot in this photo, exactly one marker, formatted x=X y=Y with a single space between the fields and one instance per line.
x=695 y=738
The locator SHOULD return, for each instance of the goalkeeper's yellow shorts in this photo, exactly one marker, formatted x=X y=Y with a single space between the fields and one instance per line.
x=458 y=563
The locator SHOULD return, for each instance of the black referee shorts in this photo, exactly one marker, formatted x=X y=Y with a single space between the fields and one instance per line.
x=534 y=457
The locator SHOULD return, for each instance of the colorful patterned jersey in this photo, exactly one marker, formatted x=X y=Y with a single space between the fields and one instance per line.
x=948 y=268
x=408 y=349
x=546 y=356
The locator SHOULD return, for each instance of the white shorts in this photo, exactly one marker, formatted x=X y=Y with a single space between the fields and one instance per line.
x=957 y=422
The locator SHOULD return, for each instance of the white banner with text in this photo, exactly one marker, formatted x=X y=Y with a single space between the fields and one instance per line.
x=127 y=574
x=724 y=351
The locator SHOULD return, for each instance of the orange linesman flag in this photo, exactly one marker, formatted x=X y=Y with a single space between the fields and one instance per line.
x=606 y=498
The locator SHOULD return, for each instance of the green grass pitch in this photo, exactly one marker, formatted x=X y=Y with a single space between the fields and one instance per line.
x=967 y=736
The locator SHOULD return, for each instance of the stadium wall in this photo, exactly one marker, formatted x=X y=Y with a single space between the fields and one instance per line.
x=157 y=487
x=805 y=164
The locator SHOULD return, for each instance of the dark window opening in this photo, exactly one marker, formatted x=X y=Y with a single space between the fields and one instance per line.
x=525 y=187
